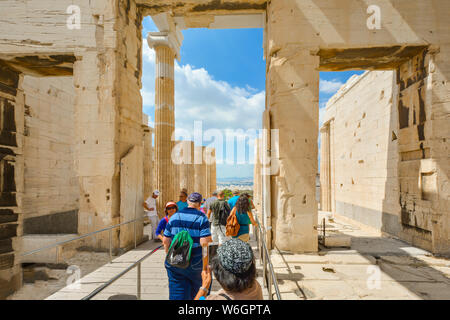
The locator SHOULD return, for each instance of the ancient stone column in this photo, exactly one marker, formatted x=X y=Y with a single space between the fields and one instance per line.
x=257 y=178
x=199 y=170
x=148 y=156
x=213 y=172
x=293 y=105
x=186 y=172
x=205 y=178
x=165 y=50
x=177 y=170
x=210 y=162
x=191 y=169
x=325 y=168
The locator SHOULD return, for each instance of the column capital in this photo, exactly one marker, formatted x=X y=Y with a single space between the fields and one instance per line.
x=165 y=38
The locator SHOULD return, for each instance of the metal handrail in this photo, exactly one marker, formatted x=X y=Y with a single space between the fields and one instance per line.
x=57 y=244
x=265 y=257
x=121 y=274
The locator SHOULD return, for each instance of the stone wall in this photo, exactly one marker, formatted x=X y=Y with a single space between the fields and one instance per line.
x=363 y=161
x=11 y=177
x=51 y=197
x=385 y=157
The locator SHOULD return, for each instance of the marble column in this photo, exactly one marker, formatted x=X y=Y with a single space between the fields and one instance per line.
x=210 y=160
x=165 y=51
x=293 y=106
x=325 y=168
x=148 y=156
x=186 y=167
x=199 y=170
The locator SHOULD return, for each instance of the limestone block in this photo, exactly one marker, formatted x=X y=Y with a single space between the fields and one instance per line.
x=32 y=242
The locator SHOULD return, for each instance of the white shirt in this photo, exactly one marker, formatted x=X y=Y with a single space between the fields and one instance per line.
x=151 y=203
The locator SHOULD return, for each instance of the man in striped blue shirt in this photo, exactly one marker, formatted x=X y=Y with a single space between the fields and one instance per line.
x=185 y=283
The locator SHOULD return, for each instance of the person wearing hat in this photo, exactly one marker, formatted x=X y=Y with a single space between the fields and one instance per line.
x=234 y=268
x=150 y=211
x=171 y=208
x=184 y=283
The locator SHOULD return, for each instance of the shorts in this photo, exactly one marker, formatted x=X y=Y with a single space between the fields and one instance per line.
x=218 y=234
x=244 y=237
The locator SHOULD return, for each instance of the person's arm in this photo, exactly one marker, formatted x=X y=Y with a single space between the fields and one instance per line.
x=206 y=283
x=250 y=215
x=166 y=242
x=146 y=207
x=160 y=229
x=252 y=204
x=209 y=214
x=205 y=240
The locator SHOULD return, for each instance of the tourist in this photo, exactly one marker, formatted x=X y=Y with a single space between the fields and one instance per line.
x=244 y=217
x=252 y=205
x=171 y=208
x=184 y=283
x=150 y=211
x=202 y=206
x=183 y=202
x=234 y=268
x=218 y=208
x=210 y=201
x=232 y=200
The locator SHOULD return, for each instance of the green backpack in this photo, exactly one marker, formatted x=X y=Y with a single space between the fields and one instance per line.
x=179 y=253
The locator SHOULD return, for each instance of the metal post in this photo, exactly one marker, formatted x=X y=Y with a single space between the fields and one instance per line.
x=270 y=287
x=139 y=281
x=57 y=254
x=110 y=245
x=264 y=270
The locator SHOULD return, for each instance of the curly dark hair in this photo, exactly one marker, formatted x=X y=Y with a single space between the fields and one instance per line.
x=242 y=204
x=232 y=282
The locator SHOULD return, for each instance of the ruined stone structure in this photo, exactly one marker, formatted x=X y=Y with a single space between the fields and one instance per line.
x=104 y=57
x=376 y=164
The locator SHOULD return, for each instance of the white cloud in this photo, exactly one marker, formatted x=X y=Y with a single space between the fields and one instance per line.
x=198 y=96
x=329 y=87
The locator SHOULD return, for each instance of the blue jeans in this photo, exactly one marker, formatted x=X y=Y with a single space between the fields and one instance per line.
x=185 y=283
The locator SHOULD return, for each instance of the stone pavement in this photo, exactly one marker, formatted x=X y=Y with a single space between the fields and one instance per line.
x=405 y=272
x=154 y=285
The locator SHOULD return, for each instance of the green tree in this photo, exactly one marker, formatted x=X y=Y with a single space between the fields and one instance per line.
x=228 y=193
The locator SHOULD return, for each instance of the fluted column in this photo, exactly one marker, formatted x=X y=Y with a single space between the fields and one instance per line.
x=213 y=177
x=164 y=115
x=257 y=177
x=325 y=204
x=199 y=170
x=187 y=166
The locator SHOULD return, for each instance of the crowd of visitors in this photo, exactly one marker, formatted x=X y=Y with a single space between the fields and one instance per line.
x=187 y=229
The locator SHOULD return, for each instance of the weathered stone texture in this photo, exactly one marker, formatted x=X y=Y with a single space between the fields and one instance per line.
x=387 y=153
x=51 y=184
x=363 y=164
x=11 y=177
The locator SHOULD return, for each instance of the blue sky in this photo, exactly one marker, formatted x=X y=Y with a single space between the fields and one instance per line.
x=220 y=80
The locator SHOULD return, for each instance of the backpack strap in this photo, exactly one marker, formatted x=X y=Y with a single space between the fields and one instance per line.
x=166 y=218
x=225 y=296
